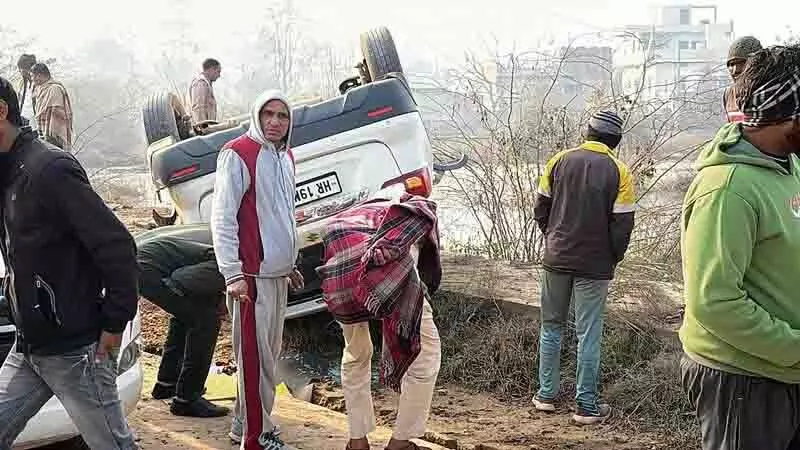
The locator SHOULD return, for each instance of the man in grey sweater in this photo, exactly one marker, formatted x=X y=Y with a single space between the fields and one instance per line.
x=255 y=242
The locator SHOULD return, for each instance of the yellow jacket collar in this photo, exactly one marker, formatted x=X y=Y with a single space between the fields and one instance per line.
x=598 y=147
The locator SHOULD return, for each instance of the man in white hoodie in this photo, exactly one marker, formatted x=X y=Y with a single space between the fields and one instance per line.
x=255 y=242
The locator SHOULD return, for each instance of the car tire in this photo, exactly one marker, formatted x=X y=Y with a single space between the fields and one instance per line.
x=162 y=115
x=380 y=53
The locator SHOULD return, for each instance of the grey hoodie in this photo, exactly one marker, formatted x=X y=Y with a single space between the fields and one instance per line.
x=274 y=192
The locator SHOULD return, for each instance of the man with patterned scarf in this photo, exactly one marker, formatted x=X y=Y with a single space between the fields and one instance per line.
x=740 y=244
x=382 y=263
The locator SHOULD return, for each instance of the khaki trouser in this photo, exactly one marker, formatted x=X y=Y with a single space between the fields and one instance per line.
x=417 y=388
x=257 y=338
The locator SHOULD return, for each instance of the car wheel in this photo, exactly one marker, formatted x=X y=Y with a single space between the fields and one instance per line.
x=163 y=116
x=380 y=53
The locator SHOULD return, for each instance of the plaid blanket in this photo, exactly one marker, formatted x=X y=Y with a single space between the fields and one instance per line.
x=356 y=289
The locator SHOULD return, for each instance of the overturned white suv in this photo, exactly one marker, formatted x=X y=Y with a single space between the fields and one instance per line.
x=346 y=149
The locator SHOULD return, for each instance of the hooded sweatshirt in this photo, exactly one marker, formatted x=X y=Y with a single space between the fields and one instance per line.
x=252 y=218
x=740 y=243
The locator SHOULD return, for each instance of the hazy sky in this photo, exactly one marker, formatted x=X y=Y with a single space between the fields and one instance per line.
x=426 y=27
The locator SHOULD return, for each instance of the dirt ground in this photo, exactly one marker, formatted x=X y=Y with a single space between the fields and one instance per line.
x=459 y=419
x=303 y=425
x=473 y=421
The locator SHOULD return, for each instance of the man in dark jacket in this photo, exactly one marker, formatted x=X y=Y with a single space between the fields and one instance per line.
x=181 y=277
x=584 y=206
x=71 y=287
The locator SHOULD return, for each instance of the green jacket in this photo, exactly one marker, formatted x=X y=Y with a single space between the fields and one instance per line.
x=741 y=261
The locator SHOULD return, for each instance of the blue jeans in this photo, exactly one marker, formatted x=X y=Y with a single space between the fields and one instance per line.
x=558 y=290
x=86 y=389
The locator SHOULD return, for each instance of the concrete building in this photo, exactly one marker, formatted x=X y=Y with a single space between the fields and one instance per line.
x=585 y=72
x=446 y=111
x=580 y=73
x=683 y=51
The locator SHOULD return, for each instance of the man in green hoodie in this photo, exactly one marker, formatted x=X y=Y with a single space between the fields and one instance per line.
x=741 y=265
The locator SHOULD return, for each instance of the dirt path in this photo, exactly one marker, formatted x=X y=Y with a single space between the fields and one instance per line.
x=304 y=426
x=459 y=419
x=473 y=421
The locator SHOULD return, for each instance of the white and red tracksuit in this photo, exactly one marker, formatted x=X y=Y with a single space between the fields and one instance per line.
x=254 y=233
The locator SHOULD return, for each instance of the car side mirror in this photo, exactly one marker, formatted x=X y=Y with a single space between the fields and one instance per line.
x=439 y=169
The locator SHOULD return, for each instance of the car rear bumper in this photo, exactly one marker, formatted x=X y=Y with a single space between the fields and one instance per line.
x=306 y=308
x=53 y=424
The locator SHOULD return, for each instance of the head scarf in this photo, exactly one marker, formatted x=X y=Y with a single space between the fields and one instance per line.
x=773 y=101
x=743 y=47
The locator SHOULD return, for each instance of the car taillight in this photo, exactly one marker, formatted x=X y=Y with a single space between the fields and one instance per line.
x=379 y=112
x=180 y=173
x=417 y=182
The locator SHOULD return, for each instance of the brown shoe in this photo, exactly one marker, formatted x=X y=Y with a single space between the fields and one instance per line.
x=410 y=446
x=363 y=441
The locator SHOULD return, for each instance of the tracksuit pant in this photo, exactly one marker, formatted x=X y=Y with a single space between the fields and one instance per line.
x=257 y=339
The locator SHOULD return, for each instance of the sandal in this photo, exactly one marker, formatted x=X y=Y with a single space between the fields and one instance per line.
x=412 y=446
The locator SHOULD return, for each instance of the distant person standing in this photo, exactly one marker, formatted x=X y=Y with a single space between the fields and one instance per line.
x=201 y=92
x=584 y=206
x=52 y=107
x=26 y=97
x=738 y=53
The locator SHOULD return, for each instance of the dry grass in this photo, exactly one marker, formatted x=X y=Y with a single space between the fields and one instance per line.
x=486 y=351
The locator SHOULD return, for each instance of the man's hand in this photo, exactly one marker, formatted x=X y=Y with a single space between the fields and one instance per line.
x=109 y=344
x=238 y=291
x=296 y=280
x=382 y=256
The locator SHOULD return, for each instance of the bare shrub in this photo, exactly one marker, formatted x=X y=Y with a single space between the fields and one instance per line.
x=522 y=108
x=486 y=351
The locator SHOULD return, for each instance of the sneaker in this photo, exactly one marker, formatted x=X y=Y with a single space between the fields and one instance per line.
x=271 y=441
x=543 y=405
x=236 y=430
x=201 y=408
x=584 y=417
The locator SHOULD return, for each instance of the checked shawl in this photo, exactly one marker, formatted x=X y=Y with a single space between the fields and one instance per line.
x=357 y=290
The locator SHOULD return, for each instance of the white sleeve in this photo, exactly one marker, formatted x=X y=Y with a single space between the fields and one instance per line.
x=232 y=180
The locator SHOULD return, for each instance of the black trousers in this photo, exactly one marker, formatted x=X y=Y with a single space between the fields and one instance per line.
x=193 y=327
x=739 y=412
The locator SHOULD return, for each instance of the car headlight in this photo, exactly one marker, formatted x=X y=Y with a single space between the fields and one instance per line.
x=129 y=356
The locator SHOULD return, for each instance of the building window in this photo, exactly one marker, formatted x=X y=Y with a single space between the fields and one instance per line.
x=686 y=17
x=684 y=66
x=683 y=45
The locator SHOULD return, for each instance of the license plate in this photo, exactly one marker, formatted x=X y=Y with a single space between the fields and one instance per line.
x=316 y=189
